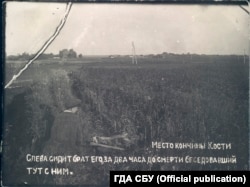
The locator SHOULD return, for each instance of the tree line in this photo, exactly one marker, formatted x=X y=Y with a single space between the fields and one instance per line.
x=63 y=54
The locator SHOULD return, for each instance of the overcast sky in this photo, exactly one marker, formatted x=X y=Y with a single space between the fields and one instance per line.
x=104 y=29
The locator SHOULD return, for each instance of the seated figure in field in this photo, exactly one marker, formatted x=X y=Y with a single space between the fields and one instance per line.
x=65 y=136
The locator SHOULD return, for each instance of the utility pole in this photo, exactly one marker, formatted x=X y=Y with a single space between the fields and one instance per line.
x=244 y=56
x=134 y=59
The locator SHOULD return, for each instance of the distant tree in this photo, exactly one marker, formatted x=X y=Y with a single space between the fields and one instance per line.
x=24 y=56
x=46 y=56
x=12 y=57
x=65 y=53
x=80 y=56
x=72 y=54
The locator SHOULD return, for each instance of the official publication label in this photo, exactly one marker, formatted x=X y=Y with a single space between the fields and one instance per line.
x=161 y=178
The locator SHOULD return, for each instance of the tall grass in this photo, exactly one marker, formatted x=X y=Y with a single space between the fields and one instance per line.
x=192 y=102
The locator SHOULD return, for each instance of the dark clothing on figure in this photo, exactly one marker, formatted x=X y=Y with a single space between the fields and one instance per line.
x=65 y=135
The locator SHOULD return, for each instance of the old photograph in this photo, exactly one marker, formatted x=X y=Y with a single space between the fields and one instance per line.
x=97 y=87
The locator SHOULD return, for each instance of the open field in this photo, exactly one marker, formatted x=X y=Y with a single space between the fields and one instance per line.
x=156 y=100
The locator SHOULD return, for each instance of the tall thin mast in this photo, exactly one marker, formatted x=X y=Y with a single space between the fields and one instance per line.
x=134 y=59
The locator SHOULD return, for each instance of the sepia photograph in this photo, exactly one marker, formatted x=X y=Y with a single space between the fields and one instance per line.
x=91 y=88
